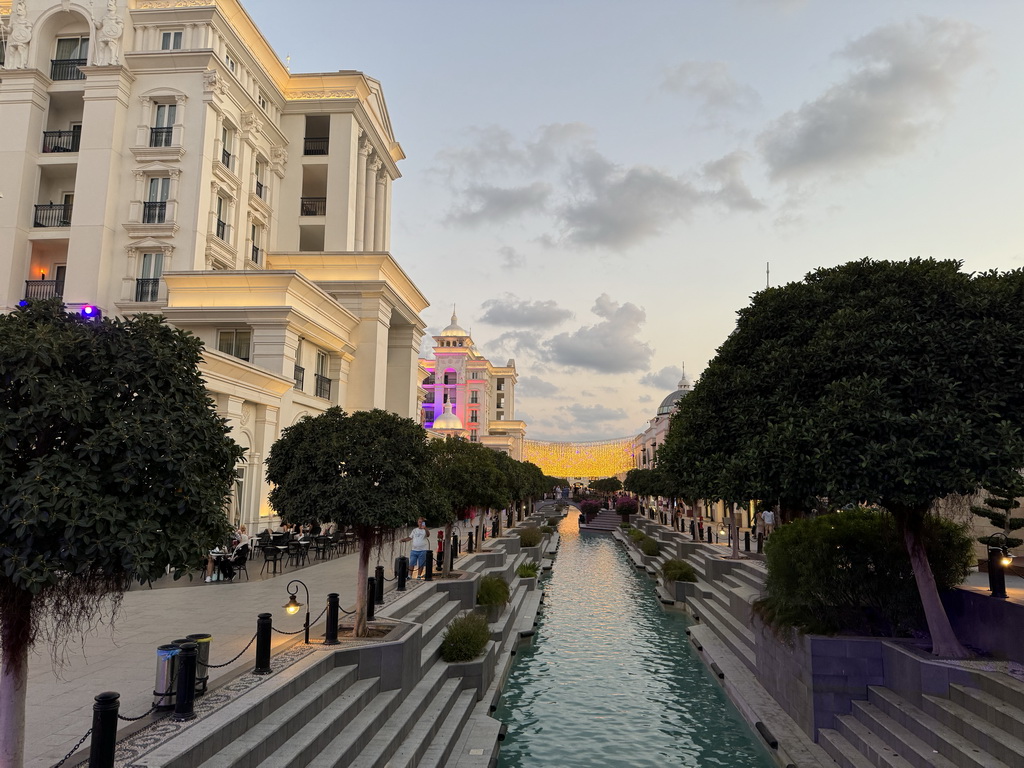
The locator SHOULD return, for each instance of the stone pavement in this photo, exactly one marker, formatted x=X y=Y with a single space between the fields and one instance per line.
x=122 y=657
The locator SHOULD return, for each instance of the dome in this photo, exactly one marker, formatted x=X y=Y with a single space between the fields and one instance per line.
x=668 y=405
x=447 y=420
x=454 y=329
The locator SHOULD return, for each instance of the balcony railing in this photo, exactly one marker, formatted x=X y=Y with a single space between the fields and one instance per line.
x=225 y=158
x=314 y=206
x=53 y=215
x=66 y=69
x=154 y=213
x=323 y=387
x=147 y=288
x=222 y=229
x=261 y=190
x=257 y=254
x=61 y=141
x=43 y=289
x=161 y=137
x=300 y=377
x=315 y=146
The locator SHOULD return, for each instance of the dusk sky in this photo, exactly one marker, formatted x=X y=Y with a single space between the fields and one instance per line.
x=598 y=185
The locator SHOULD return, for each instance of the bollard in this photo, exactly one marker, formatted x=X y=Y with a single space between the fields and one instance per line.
x=709 y=533
x=402 y=572
x=104 y=730
x=469 y=542
x=333 y=603
x=452 y=549
x=370 y=591
x=996 y=577
x=760 y=542
x=378 y=584
x=693 y=530
x=746 y=541
x=202 y=641
x=494 y=527
x=186 y=696
x=429 y=573
x=166 y=667
x=264 y=624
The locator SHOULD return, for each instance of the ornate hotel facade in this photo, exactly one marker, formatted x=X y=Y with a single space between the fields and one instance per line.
x=158 y=157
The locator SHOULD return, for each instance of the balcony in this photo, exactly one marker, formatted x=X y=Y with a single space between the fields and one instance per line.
x=300 y=377
x=161 y=137
x=44 y=289
x=323 y=386
x=315 y=146
x=154 y=212
x=261 y=190
x=313 y=206
x=147 y=289
x=61 y=141
x=225 y=158
x=222 y=230
x=257 y=254
x=66 y=69
x=52 y=215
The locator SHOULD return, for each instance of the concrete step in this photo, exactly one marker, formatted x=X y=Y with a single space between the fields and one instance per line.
x=410 y=751
x=724 y=629
x=432 y=634
x=408 y=603
x=450 y=731
x=897 y=738
x=990 y=708
x=989 y=737
x=866 y=742
x=851 y=754
x=348 y=742
x=1003 y=687
x=719 y=606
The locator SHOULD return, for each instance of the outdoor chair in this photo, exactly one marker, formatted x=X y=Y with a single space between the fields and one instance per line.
x=322 y=548
x=271 y=555
x=297 y=554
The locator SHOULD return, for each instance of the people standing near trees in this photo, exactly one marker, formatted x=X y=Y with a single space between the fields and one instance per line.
x=420 y=538
x=769 y=521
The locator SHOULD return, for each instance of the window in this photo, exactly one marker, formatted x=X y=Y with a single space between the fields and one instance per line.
x=261 y=99
x=229 y=61
x=451 y=378
x=71 y=53
x=147 y=287
x=501 y=385
x=162 y=132
x=170 y=41
x=154 y=210
x=256 y=235
x=474 y=397
x=222 y=212
x=261 y=174
x=226 y=136
x=472 y=436
x=323 y=384
x=235 y=343
x=474 y=417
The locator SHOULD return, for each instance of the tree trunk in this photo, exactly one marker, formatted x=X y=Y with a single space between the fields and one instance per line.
x=944 y=640
x=362 y=574
x=15 y=626
x=736 y=516
x=446 y=566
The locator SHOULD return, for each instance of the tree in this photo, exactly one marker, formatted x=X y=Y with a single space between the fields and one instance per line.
x=606 y=485
x=367 y=470
x=888 y=383
x=114 y=466
x=1000 y=503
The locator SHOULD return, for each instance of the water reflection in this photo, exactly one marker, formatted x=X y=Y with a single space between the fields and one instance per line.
x=611 y=679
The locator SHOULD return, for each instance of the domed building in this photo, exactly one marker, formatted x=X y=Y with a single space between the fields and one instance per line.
x=645 y=445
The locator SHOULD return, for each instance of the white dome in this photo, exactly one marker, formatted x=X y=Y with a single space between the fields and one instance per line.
x=454 y=329
x=447 y=420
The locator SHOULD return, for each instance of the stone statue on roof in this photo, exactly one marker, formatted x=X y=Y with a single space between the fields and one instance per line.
x=20 y=35
x=108 y=36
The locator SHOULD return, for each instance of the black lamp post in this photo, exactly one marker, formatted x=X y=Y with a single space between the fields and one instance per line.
x=293 y=605
x=998 y=560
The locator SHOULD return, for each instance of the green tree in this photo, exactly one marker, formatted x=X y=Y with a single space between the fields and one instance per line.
x=367 y=470
x=1000 y=503
x=606 y=485
x=889 y=383
x=114 y=466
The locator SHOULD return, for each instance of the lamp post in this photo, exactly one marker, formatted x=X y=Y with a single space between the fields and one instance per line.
x=998 y=560
x=293 y=605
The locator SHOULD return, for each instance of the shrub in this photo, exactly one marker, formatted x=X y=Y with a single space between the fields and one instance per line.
x=465 y=638
x=527 y=570
x=678 y=570
x=493 y=590
x=849 y=572
x=626 y=505
x=590 y=507
x=530 y=537
x=649 y=546
x=547 y=529
x=625 y=526
x=553 y=521
x=636 y=534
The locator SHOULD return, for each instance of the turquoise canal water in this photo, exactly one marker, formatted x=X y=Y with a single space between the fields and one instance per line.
x=611 y=679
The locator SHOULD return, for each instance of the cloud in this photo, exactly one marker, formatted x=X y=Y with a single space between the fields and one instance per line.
x=710 y=83
x=902 y=84
x=520 y=313
x=511 y=258
x=726 y=173
x=610 y=346
x=593 y=415
x=487 y=204
x=516 y=342
x=667 y=378
x=535 y=386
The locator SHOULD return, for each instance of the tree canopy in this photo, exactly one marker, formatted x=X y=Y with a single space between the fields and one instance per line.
x=113 y=466
x=890 y=383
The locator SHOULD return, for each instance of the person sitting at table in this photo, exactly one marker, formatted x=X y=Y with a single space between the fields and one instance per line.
x=328 y=528
x=239 y=555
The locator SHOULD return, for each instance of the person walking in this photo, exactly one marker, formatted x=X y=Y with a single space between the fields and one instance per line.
x=769 y=522
x=419 y=549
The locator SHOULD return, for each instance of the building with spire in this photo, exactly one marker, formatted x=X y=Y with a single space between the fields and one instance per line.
x=157 y=156
x=645 y=445
x=465 y=395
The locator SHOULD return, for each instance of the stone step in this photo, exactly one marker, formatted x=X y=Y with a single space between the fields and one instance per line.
x=867 y=743
x=1004 y=688
x=989 y=737
x=897 y=738
x=850 y=753
x=433 y=636
x=448 y=734
x=348 y=742
x=990 y=708
x=408 y=603
x=410 y=751
x=720 y=603
x=724 y=629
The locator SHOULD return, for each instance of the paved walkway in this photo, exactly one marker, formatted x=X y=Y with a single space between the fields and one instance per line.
x=122 y=658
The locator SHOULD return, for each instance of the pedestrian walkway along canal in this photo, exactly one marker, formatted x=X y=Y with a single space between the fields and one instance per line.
x=611 y=679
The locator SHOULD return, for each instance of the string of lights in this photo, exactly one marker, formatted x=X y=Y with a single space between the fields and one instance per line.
x=602 y=458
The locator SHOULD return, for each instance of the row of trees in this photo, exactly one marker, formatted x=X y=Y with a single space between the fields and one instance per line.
x=893 y=384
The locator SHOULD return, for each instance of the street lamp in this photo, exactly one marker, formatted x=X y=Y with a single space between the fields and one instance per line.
x=293 y=606
x=998 y=561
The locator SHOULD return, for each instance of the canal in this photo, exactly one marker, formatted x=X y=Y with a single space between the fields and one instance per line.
x=611 y=679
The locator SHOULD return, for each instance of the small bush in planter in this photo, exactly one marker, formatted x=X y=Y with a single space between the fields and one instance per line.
x=553 y=521
x=590 y=507
x=636 y=534
x=527 y=570
x=547 y=529
x=678 y=570
x=649 y=546
x=465 y=638
x=493 y=590
x=530 y=537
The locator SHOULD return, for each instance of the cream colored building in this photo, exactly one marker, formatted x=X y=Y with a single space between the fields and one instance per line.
x=157 y=156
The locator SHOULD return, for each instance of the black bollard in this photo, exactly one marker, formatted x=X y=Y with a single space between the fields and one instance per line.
x=264 y=623
x=693 y=530
x=760 y=542
x=104 y=730
x=996 y=576
x=453 y=547
x=494 y=528
x=429 y=575
x=184 y=701
x=370 y=592
x=401 y=572
x=333 y=604
x=378 y=575
x=469 y=542
x=746 y=541
x=709 y=534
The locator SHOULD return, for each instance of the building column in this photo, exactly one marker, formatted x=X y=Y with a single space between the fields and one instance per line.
x=403 y=369
x=367 y=379
x=378 y=211
x=265 y=432
x=364 y=152
x=371 y=202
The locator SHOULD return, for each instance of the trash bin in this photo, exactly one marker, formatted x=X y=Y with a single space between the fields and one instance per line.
x=166 y=669
x=202 y=641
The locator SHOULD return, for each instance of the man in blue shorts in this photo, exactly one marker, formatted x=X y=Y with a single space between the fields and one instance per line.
x=420 y=548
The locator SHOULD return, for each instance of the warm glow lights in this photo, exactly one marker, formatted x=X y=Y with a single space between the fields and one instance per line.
x=603 y=458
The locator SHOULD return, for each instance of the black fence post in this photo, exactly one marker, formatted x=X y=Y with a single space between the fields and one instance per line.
x=746 y=541
x=709 y=533
x=693 y=530
x=104 y=730
x=264 y=623
x=370 y=591
x=429 y=574
x=760 y=542
x=378 y=575
x=333 y=604
x=469 y=542
x=402 y=572
x=452 y=550
x=184 y=701
x=996 y=577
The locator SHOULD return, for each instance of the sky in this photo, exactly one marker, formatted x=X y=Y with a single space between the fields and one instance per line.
x=599 y=185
